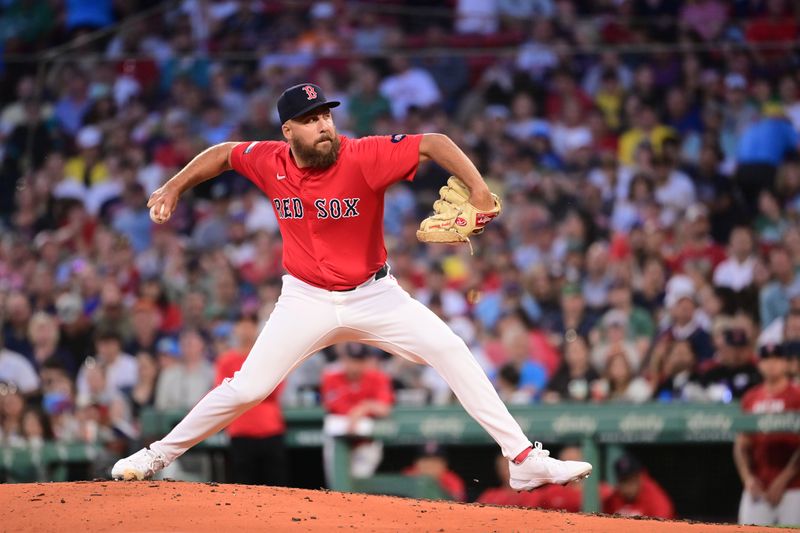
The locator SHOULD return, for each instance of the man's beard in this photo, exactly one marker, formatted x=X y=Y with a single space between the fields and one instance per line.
x=313 y=156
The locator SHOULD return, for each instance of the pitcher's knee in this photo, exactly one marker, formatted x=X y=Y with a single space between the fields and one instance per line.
x=247 y=393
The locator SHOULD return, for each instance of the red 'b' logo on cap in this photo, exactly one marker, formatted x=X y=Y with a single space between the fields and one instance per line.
x=310 y=91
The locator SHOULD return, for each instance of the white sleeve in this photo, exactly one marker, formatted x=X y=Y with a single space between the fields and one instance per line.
x=27 y=378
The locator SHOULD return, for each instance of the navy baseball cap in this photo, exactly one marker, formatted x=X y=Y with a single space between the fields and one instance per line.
x=300 y=99
x=773 y=350
x=626 y=467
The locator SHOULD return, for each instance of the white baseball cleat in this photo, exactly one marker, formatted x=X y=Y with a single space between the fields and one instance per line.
x=540 y=469
x=141 y=465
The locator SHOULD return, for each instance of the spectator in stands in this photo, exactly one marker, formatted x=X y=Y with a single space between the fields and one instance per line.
x=733 y=371
x=650 y=294
x=685 y=320
x=636 y=493
x=770 y=222
x=182 y=385
x=573 y=318
x=367 y=104
x=58 y=400
x=15 y=330
x=36 y=428
x=143 y=394
x=531 y=374
x=575 y=379
x=639 y=327
x=646 y=129
x=118 y=368
x=597 y=280
x=258 y=450
x=74 y=101
x=769 y=464
x=194 y=310
x=784 y=328
x=762 y=146
x=612 y=337
x=451 y=301
x=132 y=218
x=354 y=393
x=88 y=169
x=110 y=311
x=17 y=371
x=620 y=382
x=733 y=277
x=408 y=87
x=370 y=34
x=77 y=331
x=776 y=27
x=144 y=327
x=673 y=190
x=43 y=336
x=508 y=386
x=449 y=72
x=431 y=461
x=13 y=405
x=699 y=255
x=678 y=379
x=774 y=297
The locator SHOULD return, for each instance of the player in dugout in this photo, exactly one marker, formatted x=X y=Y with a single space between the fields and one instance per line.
x=769 y=463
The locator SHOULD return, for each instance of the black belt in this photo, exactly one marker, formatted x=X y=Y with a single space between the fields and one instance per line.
x=378 y=275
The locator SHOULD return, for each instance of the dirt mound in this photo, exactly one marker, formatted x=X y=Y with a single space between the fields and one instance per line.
x=207 y=507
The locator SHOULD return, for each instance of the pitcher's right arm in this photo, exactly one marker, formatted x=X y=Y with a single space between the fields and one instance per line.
x=206 y=165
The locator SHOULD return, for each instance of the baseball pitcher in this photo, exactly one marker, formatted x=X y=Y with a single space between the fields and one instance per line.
x=328 y=194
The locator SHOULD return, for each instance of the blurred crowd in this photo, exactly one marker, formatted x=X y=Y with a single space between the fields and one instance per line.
x=645 y=151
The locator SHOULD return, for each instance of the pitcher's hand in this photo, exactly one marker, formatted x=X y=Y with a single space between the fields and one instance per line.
x=162 y=203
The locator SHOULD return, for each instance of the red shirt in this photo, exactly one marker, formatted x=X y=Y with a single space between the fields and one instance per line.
x=651 y=501
x=508 y=496
x=340 y=395
x=707 y=257
x=770 y=452
x=567 y=498
x=263 y=420
x=769 y=30
x=331 y=220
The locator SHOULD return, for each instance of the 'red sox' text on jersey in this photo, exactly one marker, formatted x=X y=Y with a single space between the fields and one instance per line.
x=331 y=219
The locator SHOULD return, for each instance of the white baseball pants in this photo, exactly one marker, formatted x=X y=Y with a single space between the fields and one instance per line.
x=760 y=512
x=379 y=313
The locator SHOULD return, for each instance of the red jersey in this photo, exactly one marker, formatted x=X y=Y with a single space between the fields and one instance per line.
x=651 y=501
x=770 y=452
x=263 y=420
x=567 y=498
x=340 y=395
x=506 y=496
x=331 y=219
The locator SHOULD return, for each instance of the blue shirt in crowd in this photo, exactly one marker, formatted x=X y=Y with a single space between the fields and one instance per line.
x=766 y=141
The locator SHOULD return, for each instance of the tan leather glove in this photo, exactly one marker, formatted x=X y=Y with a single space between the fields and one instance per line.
x=455 y=219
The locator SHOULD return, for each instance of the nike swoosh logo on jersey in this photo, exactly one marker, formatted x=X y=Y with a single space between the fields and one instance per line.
x=280 y=177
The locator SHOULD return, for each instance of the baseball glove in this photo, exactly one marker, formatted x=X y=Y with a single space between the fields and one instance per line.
x=455 y=219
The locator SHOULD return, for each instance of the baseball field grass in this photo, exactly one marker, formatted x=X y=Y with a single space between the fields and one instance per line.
x=160 y=506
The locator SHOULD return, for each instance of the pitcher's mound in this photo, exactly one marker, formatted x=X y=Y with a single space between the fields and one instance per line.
x=207 y=507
